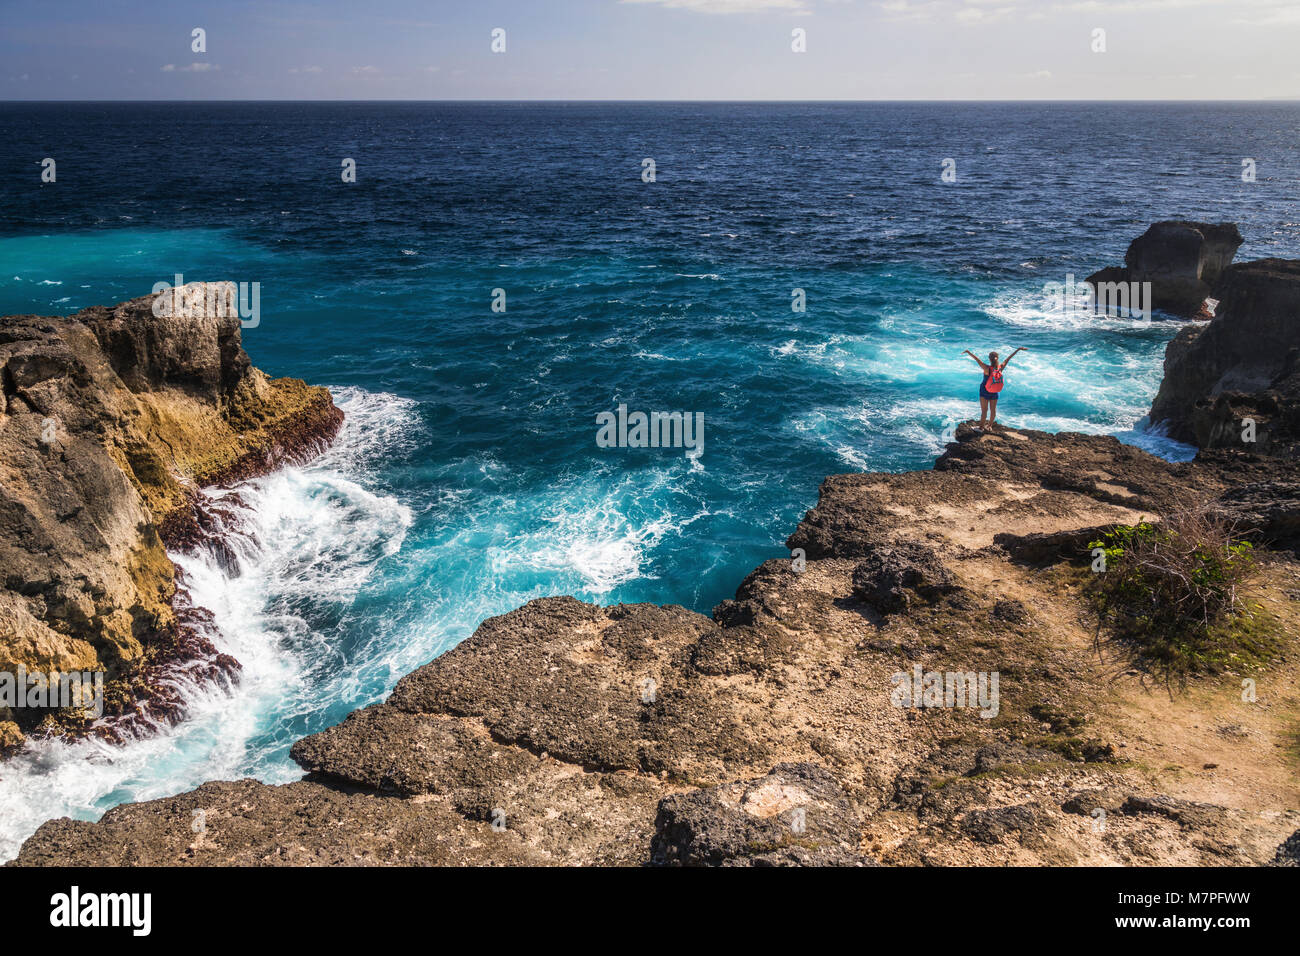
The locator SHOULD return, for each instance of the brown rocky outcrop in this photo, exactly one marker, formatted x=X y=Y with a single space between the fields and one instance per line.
x=1245 y=364
x=1183 y=261
x=797 y=815
x=111 y=421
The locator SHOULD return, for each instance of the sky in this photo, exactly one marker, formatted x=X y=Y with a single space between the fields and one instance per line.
x=651 y=49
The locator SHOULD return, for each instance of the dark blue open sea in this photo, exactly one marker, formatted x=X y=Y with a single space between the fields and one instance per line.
x=467 y=479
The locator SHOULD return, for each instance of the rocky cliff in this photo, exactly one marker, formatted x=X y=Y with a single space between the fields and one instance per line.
x=111 y=420
x=565 y=733
x=1244 y=365
x=1182 y=261
x=772 y=732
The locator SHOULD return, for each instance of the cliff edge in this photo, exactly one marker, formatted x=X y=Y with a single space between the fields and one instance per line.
x=1236 y=380
x=111 y=420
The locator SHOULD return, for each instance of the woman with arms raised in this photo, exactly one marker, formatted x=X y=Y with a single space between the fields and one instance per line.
x=991 y=386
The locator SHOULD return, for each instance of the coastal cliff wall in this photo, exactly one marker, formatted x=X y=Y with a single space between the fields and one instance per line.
x=1245 y=364
x=111 y=421
x=770 y=732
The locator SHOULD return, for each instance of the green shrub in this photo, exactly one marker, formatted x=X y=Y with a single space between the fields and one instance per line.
x=1175 y=590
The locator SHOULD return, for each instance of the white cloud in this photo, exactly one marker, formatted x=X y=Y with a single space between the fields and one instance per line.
x=1280 y=16
x=731 y=6
x=962 y=11
x=1248 y=12
x=1251 y=12
x=1144 y=6
x=977 y=13
x=192 y=68
x=910 y=9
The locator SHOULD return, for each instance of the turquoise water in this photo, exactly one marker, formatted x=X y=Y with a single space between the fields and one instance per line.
x=467 y=479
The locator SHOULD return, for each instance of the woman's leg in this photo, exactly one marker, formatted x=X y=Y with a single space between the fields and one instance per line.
x=993 y=411
x=984 y=409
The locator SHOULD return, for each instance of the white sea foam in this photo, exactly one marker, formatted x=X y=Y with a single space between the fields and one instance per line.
x=601 y=548
x=1156 y=441
x=656 y=356
x=313 y=532
x=586 y=535
x=1031 y=309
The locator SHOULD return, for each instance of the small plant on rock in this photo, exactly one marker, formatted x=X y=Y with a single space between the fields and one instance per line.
x=1176 y=591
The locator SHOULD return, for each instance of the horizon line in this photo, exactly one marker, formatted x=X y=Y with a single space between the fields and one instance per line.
x=558 y=100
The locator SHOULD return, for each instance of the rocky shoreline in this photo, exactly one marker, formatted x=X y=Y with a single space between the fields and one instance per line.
x=564 y=733
x=111 y=422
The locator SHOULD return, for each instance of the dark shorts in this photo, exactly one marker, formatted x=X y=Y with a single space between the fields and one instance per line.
x=991 y=396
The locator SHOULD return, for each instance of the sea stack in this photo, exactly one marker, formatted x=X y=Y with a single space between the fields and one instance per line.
x=1182 y=260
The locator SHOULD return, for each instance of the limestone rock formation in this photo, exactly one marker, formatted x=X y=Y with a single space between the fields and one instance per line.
x=1245 y=364
x=893 y=577
x=1183 y=261
x=111 y=420
x=797 y=815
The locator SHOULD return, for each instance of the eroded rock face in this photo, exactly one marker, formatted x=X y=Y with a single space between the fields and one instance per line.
x=1245 y=364
x=111 y=420
x=1270 y=509
x=893 y=577
x=182 y=343
x=1183 y=261
x=246 y=823
x=1288 y=854
x=797 y=815
x=607 y=689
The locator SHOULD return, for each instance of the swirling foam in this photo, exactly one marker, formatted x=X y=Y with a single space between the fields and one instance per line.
x=309 y=540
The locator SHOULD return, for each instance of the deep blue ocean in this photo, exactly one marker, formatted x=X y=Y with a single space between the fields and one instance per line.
x=467 y=479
